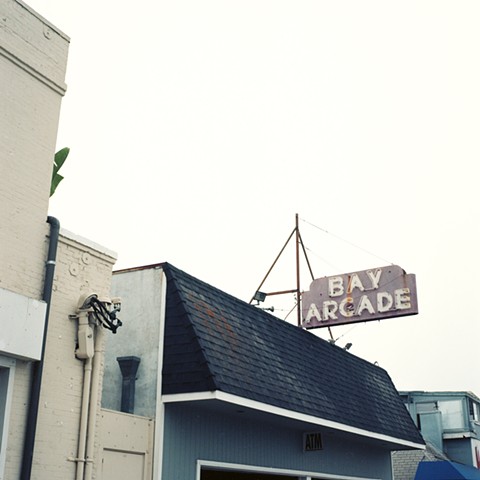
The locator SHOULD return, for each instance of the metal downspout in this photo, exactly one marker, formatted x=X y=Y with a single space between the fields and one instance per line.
x=37 y=369
x=98 y=359
x=82 y=436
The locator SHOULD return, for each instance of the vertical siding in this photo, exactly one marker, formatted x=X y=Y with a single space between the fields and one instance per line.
x=192 y=434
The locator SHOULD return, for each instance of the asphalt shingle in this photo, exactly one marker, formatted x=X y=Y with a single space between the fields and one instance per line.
x=214 y=341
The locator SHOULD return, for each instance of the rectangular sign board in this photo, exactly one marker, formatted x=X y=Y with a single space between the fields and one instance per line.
x=363 y=296
x=312 y=442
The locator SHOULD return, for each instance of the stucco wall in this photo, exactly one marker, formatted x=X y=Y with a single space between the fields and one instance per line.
x=140 y=291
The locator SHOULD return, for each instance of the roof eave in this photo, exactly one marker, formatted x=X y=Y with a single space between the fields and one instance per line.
x=282 y=412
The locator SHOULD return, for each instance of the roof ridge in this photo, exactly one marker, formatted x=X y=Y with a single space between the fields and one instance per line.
x=269 y=317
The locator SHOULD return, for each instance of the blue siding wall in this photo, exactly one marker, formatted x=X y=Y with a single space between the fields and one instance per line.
x=193 y=434
x=459 y=450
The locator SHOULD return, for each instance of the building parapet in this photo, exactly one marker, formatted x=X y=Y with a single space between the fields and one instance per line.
x=33 y=44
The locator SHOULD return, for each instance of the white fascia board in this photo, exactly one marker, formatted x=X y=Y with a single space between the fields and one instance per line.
x=283 y=412
x=22 y=322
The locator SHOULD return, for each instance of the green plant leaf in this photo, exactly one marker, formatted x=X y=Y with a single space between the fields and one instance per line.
x=58 y=161
x=55 y=182
x=60 y=157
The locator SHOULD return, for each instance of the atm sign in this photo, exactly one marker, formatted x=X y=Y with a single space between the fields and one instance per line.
x=312 y=441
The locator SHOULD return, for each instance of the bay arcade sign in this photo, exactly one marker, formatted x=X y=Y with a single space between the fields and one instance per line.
x=363 y=296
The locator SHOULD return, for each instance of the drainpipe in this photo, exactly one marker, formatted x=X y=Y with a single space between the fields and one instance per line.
x=98 y=359
x=37 y=369
x=85 y=335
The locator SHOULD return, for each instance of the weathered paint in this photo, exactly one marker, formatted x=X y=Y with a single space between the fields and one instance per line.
x=359 y=297
x=139 y=336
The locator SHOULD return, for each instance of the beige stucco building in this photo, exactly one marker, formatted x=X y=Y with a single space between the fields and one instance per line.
x=43 y=269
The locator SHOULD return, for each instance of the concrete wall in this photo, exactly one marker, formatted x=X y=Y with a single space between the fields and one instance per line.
x=140 y=290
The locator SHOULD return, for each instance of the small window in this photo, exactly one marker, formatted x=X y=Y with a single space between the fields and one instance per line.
x=474 y=410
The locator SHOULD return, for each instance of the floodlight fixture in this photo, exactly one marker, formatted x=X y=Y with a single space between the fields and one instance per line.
x=260 y=296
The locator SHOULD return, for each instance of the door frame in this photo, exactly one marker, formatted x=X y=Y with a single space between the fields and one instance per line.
x=295 y=474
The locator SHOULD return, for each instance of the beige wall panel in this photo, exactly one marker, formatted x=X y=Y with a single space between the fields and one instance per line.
x=81 y=269
x=33 y=58
x=126 y=446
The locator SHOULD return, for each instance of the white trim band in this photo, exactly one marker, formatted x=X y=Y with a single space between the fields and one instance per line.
x=283 y=412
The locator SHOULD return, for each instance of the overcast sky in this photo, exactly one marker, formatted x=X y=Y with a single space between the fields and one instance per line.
x=199 y=128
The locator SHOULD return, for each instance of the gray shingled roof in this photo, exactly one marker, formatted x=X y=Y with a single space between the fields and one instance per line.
x=214 y=341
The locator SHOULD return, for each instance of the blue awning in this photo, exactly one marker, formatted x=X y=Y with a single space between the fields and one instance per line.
x=446 y=471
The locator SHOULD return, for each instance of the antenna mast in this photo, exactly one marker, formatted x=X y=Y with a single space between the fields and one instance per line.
x=297 y=259
x=260 y=296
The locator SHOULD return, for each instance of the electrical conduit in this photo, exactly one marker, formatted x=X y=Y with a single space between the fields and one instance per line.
x=94 y=398
x=87 y=380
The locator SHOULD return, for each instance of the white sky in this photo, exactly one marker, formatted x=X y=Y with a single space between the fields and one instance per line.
x=198 y=128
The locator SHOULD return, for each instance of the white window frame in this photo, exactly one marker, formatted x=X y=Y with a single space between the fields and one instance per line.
x=8 y=363
x=295 y=474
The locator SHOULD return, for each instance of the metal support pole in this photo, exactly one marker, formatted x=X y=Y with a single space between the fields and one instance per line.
x=297 y=258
